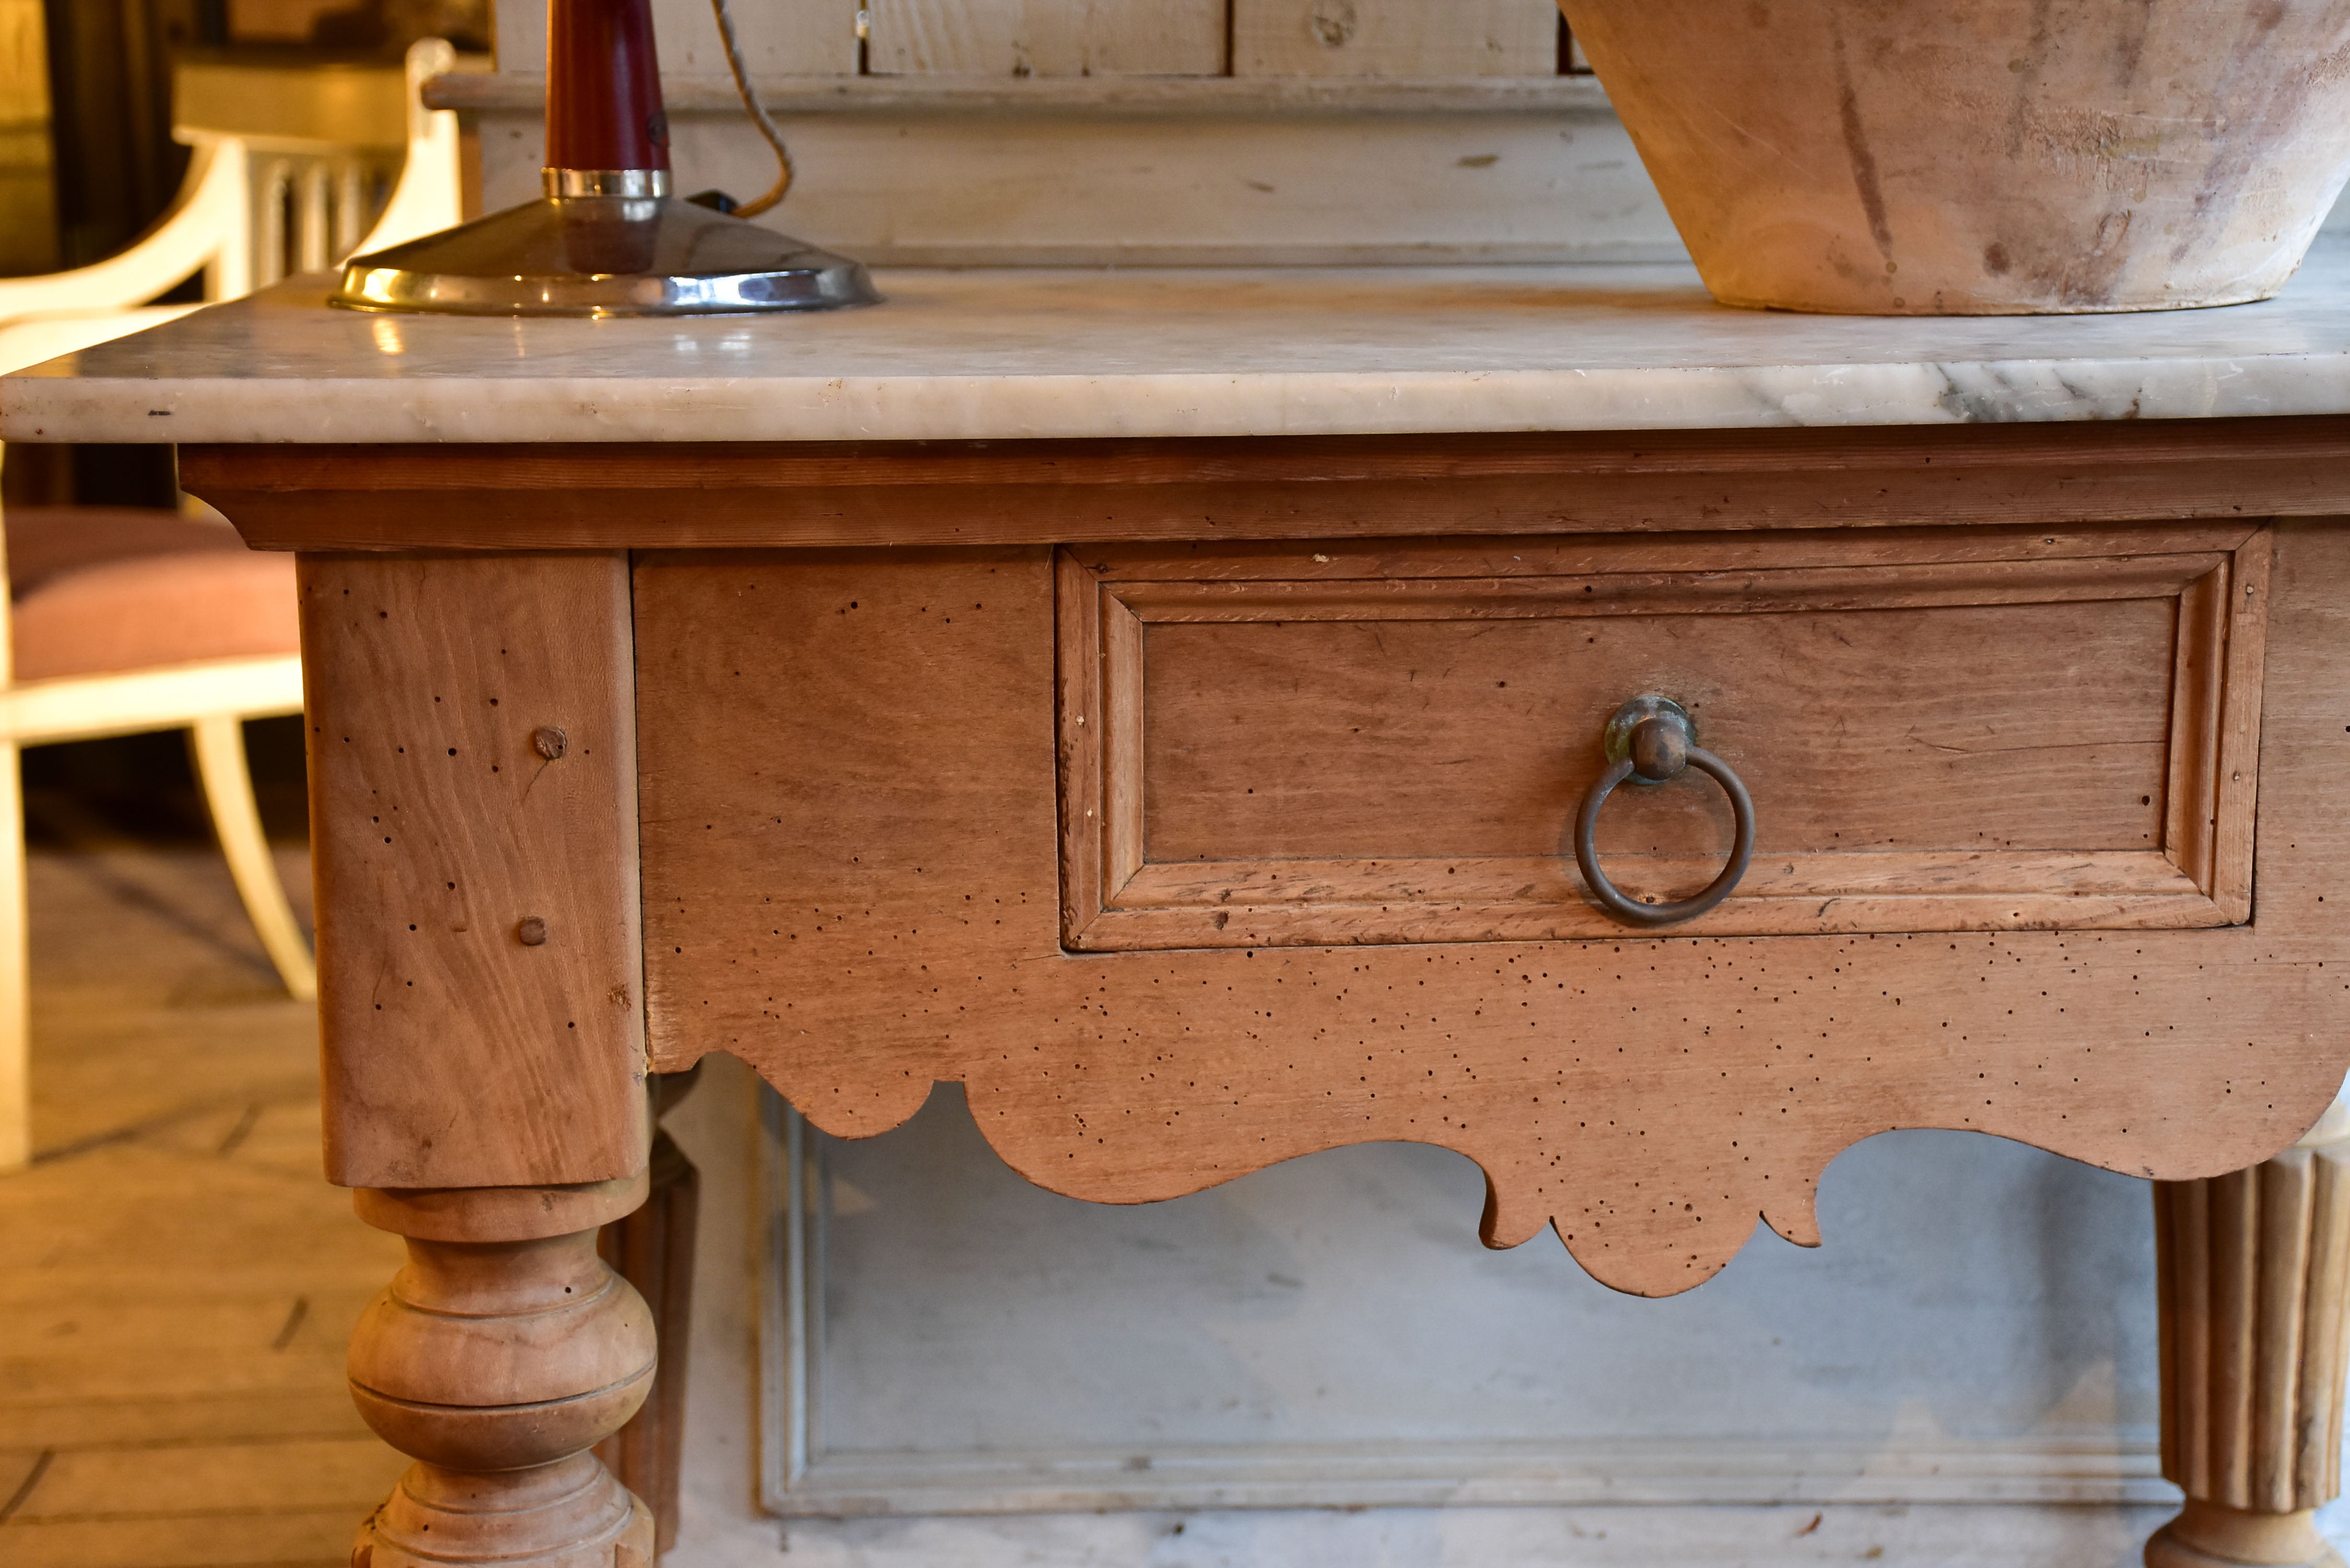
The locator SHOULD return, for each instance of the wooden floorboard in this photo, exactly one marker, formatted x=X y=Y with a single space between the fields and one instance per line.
x=290 y=1540
x=176 y=1279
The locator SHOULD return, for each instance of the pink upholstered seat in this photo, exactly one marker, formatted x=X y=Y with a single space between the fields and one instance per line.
x=102 y=589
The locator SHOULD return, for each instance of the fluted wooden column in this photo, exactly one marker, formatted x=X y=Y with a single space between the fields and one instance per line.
x=2254 y=1269
x=500 y=1356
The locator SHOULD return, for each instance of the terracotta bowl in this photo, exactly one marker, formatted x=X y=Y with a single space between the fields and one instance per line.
x=1984 y=157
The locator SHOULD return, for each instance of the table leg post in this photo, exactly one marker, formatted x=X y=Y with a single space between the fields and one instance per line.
x=2253 y=1268
x=501 y=1353
x=653 y=1249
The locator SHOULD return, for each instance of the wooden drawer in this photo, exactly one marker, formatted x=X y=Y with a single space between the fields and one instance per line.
x=864 y=793
x=1941 y=730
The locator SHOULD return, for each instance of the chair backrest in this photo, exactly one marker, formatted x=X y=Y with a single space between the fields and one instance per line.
x=321 y=146
x=431 y=192
x=332 y=151
x=295 y=169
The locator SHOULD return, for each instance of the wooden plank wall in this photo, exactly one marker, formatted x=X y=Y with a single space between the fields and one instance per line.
x=1046 y=38
x=1135 y=132
x=1395 y=38
x=779 y=37
x=1382 y=38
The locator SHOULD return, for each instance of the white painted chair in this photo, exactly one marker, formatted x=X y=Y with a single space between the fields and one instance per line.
x=124 y=622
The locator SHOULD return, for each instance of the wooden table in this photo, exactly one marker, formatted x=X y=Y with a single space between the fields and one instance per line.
x=1164 y=705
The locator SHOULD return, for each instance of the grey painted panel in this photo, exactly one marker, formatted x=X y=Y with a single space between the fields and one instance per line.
x=1980 y=1324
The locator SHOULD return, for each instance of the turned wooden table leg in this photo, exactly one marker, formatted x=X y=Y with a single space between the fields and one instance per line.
x=474 y=809
x=2254 y=1269
x=497 y=1359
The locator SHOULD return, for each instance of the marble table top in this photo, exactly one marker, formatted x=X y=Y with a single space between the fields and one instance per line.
x=1000 y=355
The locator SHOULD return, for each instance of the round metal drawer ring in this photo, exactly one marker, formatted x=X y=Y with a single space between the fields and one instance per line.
x=1649 y=740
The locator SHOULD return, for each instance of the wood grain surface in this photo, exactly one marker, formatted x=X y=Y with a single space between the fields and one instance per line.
x=1395 y=38
x=684 y=496
x=779 y=38
x=1047 y=37
x=1332 y=746
x=474 y=829
x=180 y=1145
x=1816 y=156
x=852 y=881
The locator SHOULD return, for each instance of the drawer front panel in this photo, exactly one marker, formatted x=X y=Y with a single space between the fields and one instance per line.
x=852 y=880
x=1941 y=731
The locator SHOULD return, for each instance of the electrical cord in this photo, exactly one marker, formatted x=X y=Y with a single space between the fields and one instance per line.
x=758 y=113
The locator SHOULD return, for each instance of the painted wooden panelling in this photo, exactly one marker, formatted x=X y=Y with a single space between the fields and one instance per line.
x=937 y=1354
x=1058 y=188
x=779 y=37
x=1047 y=37
x=1425 y=38
x=1210 y=183
x=1395 y=38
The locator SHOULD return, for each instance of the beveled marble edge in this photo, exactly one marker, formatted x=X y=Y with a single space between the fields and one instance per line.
x=1011 y=356
x=334 y=411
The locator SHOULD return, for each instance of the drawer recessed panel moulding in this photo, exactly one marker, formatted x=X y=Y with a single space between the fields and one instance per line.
x=1941 y=731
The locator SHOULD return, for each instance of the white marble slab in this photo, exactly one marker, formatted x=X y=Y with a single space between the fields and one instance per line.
x=1206 y=352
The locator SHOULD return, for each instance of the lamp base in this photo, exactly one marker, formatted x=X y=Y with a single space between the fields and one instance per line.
x=604 y=255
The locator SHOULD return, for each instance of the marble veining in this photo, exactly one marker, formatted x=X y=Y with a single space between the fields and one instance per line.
x=1000 y=355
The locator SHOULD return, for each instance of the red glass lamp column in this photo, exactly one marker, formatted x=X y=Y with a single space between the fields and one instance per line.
x=607 y=132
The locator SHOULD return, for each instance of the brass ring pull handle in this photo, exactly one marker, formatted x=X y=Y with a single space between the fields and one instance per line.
x=1649 y=739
